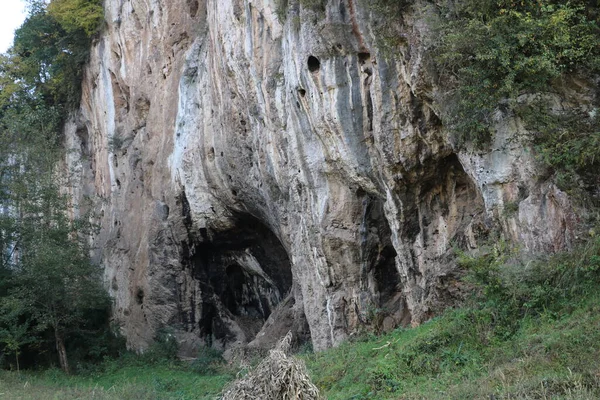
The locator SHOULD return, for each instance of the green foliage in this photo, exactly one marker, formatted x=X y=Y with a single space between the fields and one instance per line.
x=78 y=15
x=491 y=52
x=530 y=331
x=116 y=142
x=281 y=9
x=49 y=51
x=163 y=349
x=45 y=265
x=508 y=291
x=387 y=23
x=15 y=327
x=568 y=142
x=208 y=361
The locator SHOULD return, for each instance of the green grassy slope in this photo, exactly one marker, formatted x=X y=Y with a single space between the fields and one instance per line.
x=128 y=382
x=532 y=332
x=554 y=357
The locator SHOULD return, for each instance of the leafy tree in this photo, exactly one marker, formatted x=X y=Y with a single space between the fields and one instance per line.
x=76 y=15
x=51 y=277
x=51 y=48
x=16 y=330
x=492 y=51
x=48 y=285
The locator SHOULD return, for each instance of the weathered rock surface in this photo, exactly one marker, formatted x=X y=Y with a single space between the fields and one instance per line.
x=235 y=161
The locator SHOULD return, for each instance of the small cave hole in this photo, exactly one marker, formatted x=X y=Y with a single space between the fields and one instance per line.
x=139 y=296
x=234 y=192
x=302 y=92
x=363 y=57
x=313 y=64
x=118 y=184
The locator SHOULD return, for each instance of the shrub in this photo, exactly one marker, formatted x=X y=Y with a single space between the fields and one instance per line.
x=491 y=51
x=207 y=361
x=568 y=141
x=163 y=349
x=509 y=290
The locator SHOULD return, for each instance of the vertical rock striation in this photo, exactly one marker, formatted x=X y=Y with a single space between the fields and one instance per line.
x=252 y=162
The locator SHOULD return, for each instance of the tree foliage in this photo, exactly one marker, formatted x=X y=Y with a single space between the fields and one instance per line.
x=77 y=15
x=50 y=50
x=50 y=292
x=492 y=51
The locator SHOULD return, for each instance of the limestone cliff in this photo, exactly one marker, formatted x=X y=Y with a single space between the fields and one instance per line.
x=248 y=159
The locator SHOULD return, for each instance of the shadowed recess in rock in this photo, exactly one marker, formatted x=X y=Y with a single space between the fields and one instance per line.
x=244 y=273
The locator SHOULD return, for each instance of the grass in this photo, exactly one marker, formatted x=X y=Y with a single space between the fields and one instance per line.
x=549 y=357
x=116 y=379
x=531 y=331
x=506 y=344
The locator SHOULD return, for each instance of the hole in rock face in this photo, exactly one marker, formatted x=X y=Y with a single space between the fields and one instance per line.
x=244 y=273
x=314 y=65
x=364 y=57
x=139 y=296
x=302 y=92
x=377 y=248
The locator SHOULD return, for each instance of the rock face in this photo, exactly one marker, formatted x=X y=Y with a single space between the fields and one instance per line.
x=255 y=161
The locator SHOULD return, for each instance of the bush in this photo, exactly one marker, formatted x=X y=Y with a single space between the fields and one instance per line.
x=508 y=290
x=568 y=141
x=163 y=349
x=492 y=51
x=207 y=361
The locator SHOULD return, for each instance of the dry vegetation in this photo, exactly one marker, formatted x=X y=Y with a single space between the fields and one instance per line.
x=280 y=376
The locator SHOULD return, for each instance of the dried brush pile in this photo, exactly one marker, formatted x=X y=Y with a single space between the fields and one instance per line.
x=279 y=376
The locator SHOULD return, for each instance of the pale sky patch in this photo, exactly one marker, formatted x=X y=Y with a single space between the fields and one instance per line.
x=12 y=15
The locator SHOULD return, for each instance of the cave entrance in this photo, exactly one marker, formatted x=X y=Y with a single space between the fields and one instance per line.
x=244 y=272
x=247 y=295
x=378 y=253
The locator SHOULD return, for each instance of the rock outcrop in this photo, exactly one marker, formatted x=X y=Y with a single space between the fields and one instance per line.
x=252 y=161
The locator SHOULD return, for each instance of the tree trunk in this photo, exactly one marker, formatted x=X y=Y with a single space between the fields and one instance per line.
x=62 y=352
x=17 y=357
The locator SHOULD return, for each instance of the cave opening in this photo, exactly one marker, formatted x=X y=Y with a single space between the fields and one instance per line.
x=244 y=273
x=313 y=64
x=378 y=250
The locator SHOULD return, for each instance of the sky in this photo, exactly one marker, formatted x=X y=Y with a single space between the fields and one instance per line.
x=12 y=14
